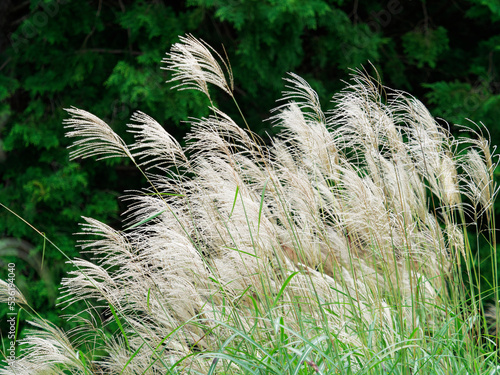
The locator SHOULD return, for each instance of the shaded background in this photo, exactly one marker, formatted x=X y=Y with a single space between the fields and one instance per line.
x=104 y=57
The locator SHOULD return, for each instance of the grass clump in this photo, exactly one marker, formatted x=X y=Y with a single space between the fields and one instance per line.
x=337 y=248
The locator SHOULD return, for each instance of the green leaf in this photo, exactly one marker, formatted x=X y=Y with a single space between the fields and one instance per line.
x=282 y=289
x=234 y=201
x=119 y=325
x=145 y=220
x=132 y=357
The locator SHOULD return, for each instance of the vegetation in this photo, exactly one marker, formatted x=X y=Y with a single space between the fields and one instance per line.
x=335 y=250
x=104 y=56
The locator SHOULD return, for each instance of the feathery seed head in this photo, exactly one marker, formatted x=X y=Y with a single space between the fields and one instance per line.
x=96 y=138
x=153 y=143
x=194 y=65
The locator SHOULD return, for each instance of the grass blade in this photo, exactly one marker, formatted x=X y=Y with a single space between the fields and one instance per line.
x=234 y=201
x=119 y=325
x=282 y=289
x=145 y=220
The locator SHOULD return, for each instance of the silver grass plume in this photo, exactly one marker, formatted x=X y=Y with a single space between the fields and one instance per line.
x=12 y=293
x=194 y=65
x=96 y=138
x=153 y=143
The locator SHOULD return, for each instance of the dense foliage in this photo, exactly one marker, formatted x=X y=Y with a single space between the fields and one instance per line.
x=105 y=56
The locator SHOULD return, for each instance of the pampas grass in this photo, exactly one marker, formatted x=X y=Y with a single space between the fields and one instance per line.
x=336 y=249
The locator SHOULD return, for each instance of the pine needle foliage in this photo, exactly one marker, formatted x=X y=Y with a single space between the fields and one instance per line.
x=334 y=249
